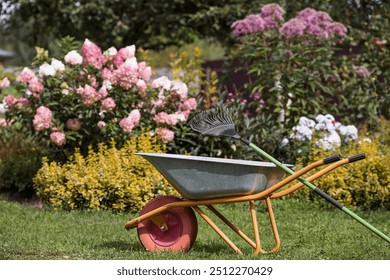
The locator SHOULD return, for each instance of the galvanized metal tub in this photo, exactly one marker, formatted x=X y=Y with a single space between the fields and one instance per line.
x=206 y=177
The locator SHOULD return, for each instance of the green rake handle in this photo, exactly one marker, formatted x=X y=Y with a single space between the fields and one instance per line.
x=319 y=191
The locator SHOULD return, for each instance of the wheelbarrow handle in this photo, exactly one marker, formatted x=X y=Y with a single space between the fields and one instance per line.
x=319 y=191
x=332 y=159
x=356 y=157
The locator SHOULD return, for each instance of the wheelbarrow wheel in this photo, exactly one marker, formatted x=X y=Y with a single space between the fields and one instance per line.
x=182 y=227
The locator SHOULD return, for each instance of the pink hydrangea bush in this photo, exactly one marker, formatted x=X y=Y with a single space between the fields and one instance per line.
x=90 y=95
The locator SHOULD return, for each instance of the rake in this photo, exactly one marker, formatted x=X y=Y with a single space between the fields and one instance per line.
x=219 y=122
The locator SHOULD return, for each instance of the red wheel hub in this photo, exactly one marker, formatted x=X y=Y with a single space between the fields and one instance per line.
x=169 y=237
x=181 y=223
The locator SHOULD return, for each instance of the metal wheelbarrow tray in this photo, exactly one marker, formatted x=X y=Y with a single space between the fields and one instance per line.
x=207 y=177
x=168 y=223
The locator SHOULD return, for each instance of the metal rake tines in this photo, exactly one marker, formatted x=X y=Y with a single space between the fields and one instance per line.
x=216 y=122
x=209 y=119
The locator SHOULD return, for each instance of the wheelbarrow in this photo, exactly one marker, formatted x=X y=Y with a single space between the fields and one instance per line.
x=168 y=223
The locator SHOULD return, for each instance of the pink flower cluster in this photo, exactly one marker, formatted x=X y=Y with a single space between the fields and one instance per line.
x=316 y=23
x=165 y=135
x=127 y=74
x=12 y=102
x=90 y=95
x=108 y=104
x=119 y=57
x=73 y=124
x=127 y=124
x=177 y=91
x=271 y=16
x=169 y=119
x=182 y=105
x=4 y=83
x=92 y=54
x=361 y=71
x=42 y=119
x=28 y=77
x=3 y=122
x=124 y=71
x=57 y=138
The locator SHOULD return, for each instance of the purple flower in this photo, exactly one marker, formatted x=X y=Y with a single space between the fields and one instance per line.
x=293 y=28
x=338 y=29
x=319 y=18
x=317 y=31
x=288 y=53
x=256 y=95
x=304 y=14
x=361 y=71
x=272 y=10
x=250 y=24
x=272 y=15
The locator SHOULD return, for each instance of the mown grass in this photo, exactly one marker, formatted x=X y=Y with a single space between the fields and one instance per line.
x=308 y=231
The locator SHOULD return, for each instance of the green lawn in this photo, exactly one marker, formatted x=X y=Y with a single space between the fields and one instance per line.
x=308 y=231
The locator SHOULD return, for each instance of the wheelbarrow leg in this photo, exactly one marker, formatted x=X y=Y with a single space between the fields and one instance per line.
x=273 y=224
x=217 y=230
x=258 y=249
x=232 y=226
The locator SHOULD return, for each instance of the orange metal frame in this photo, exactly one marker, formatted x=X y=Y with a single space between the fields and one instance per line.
x=266 y=195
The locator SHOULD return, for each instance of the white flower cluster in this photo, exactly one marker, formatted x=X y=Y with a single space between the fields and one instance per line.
x=50 y=69
x=330 y=131
x=3 y=107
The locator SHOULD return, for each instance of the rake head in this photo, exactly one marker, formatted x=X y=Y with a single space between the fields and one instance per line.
x=214 y=122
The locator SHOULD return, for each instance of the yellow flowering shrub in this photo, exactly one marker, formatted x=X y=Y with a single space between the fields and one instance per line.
x=108 y=178
x=364 y=183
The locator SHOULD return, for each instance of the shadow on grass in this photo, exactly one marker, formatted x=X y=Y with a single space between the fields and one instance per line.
x=135 y=246
x=212 y=248
x=121 y=246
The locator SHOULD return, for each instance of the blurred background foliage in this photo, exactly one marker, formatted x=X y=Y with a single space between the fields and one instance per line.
x=172 y=26
x=156 y=24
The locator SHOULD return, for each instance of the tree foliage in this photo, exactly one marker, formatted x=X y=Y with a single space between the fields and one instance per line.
x=148 y=23
x=151 y=23
x=155 y=24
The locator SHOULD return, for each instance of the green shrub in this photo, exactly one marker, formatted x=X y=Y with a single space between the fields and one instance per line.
x=109 y=178
x=20 y=158
x=365 y=183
